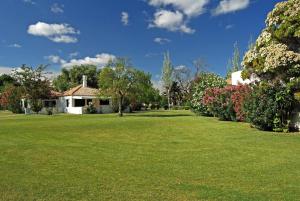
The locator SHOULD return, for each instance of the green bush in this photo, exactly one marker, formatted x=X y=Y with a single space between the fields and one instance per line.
x=203 y=82
x=269 y=107
x=91 y=109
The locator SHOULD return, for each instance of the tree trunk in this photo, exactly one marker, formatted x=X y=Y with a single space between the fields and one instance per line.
x=120 y=106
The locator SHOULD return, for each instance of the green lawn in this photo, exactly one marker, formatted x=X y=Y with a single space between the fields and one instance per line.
x=146 y=156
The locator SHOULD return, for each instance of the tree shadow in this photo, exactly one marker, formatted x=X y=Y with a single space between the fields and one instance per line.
x=159 y=114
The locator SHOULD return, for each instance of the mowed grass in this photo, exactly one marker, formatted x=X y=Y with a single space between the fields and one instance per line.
x=145 y=156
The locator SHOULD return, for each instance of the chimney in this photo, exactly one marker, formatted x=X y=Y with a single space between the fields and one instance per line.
x=84 y=81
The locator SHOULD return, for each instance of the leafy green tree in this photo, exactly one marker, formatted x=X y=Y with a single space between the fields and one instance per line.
x=119 y=80
x=33 y=82
x=167 y=76
x=73 y=77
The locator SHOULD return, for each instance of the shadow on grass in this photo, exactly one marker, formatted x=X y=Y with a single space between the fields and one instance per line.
x=159 y=114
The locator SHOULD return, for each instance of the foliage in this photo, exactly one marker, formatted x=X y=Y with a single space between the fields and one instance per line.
x=121 y=81
x=167 y=75
x=73 y=77
x=10 y=98
x=275 y=56
x=227 y=103
x=6 y=80
x=203 y=82
x=183 y=81
x=269 y=106
x=36 y=105
x=33 y=82
x=91 y=109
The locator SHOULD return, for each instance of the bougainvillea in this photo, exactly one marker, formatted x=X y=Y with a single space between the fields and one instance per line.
x=276 y=54
x=227 y=103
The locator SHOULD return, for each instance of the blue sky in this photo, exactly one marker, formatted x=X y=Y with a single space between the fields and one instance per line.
x=66 y=32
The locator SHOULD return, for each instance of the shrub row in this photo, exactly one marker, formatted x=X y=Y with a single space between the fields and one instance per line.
x=266 y=106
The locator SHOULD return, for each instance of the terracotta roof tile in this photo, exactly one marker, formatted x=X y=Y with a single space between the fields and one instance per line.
x=81 y=91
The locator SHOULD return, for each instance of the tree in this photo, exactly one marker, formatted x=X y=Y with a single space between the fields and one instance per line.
x=10 y=98
x=34 y=83
x=167 y=74
x=200 y=65
x=236 y=59
x=6 y=80
x=119 y=80
x=183 y=78
x=73 y=77
x=276 y=54
x=229 y=69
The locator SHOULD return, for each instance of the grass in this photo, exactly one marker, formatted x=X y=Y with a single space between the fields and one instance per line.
x=145 y=156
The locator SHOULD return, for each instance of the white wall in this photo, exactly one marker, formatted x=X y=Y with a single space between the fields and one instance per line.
x=236 y=78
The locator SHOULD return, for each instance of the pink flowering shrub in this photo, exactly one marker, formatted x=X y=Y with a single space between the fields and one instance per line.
x=227 y=103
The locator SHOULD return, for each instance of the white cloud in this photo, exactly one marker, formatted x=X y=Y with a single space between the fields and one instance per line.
x=15 y=45
x=55 y=59
x=158 y=84
x=60 y=33
x=100 y=60
x=56 y=8
x=73 y=54
x=64 y=39
x=229 y=26
x=5 y=70
x=125 y=18
x=172 y=21
x=162 y=40
x=29 y=2
x=228 y=6
x=190 y=8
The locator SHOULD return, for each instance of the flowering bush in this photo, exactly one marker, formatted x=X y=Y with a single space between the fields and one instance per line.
x=276 y=55
x=227 y=103
x=203 y=82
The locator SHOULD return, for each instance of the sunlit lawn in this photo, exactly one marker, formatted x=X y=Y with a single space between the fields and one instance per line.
x=146 y=156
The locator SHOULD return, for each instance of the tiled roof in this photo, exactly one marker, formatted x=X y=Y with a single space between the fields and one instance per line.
x=55 y=94
x=81 y=91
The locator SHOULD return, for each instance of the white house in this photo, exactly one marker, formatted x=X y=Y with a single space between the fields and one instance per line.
x=76 y=100
x=236 y=78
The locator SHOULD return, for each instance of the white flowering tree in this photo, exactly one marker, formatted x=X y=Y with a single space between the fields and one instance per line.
x=276 y=53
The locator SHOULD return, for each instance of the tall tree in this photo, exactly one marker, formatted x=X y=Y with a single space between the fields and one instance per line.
x=167 y=76
x=200 y=65
x=183 y=78
x=121 y=81
x=236 y=59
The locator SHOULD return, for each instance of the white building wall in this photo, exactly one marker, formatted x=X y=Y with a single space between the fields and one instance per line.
x=236 y=79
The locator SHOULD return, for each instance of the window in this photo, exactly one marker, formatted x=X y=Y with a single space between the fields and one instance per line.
x=49 y=103
x=104 y=102
x=67 y=102
x=79 y=102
